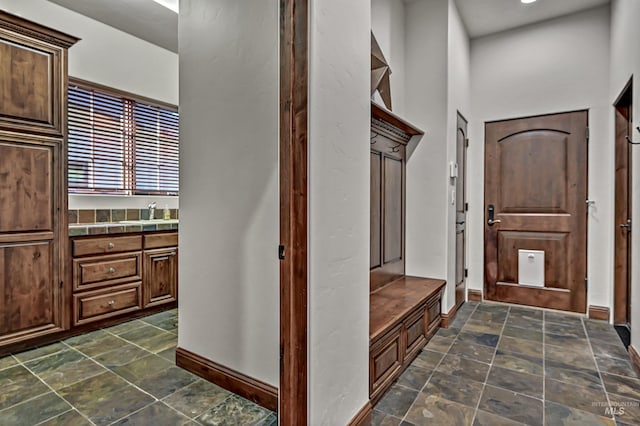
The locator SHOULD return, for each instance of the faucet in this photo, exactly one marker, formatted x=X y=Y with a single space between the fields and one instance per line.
x=152 y=210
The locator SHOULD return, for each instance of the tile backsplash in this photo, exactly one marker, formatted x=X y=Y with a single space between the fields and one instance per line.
x=115 y=215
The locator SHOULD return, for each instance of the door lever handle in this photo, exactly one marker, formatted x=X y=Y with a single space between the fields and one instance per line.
x=492 y=222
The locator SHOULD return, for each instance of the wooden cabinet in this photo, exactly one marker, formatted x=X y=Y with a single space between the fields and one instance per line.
x=33 y=191
x=116 y=275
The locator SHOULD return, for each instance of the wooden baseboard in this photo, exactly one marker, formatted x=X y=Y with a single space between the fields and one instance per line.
x=252 y=389
x=474 y=295
x=447 y=318
x=362 y=417
x=599 y=313
x=635 y=357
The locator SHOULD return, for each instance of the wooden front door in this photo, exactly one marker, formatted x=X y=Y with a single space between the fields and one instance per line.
x=622 y=231
x=535 y=199
x=461 y=208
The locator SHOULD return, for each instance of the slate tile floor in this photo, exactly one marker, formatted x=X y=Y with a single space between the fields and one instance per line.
x=122 y=375
x=508 y=365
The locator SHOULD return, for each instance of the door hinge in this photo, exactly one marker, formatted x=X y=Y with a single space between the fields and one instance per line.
x=61 y=284
x=587 y=134
x=467 y=142
x=466 y=272
x=466 y=207
x=586 y=284
x=281 y=252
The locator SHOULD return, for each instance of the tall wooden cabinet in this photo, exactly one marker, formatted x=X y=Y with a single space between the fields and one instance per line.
x=34 y=288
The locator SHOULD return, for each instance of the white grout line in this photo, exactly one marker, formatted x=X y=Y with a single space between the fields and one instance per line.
x=544 y=369
x=593 y=355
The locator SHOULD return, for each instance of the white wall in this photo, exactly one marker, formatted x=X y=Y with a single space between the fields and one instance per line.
x=554 y=66
x=458 y=99
x=113 y=58
x=229 y=205
x=426 y=106
x=339 y=124
x=387 y=24
x=625 y=62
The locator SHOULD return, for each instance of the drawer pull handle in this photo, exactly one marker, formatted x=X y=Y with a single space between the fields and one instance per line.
x=158 y=259
x=112 y=270
x=111 y=302
x=110 y=245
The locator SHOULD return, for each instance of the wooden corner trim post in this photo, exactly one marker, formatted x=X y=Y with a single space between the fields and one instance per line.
x=294 y=77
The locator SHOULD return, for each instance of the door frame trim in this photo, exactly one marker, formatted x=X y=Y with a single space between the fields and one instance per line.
x=294 y=78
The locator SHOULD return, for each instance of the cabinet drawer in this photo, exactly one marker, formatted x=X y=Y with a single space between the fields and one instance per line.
x=100 y=304
x=385 y=359
x=161 y=240
x=88 y=246
x=93 y=272
x=414 y=329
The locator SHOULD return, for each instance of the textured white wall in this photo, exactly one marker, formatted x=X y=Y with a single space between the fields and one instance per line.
x=625 y=62
x=554 y=66
x=339 y=124
x=229 y=103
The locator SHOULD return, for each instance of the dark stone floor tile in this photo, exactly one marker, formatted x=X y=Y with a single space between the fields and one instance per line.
x=17 y=384
x=39 y=352
x=606 y=349
x=197 y=398
x=618 y=366
x=142 y=368
x=519 y=362
x=572 y=375
x=487 y=419
x=169 y=324
x=566 y=358
x=156 y=414
x=522 y=333
x=495 y=317
x=581 y=397
x=458 y=323
x=232 y=411
x=526 y=313
x=52 y=362
x=527 y=384
x=524 y=323
x=160 y=316
x=151 y=338
x=454 y=388
x=610 y=336
x=561 y=415
x=143 y=333
x=623 y=386
x=483 y=326
x=34 y=411
x=70 y=418
x=126 y=327
x=427 y=359
x=473 y=351
x=378 y=418
x=626 y=410
x=397 y=401
x=8 y=361
x=270 y=420
x=447 y=332
x=494 y=308
x=560 y=318
x=64 y=368
x=511 y=405
x=464 y=367
x=414 y=377
x=166 y=382
x=95 y=343
x=431 y=409
x=486 y=339
x=105 y=398
x=121 y=356
x=566 y=341
x=440 y=344
x=168 y=354
x=522 y=346
x=571 y=329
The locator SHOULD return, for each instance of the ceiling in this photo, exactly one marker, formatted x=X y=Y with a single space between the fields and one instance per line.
x=483 y=17
x=144 y=19
x=156 y=24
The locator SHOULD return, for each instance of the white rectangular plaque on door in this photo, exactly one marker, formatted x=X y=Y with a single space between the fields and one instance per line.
x=531 y=268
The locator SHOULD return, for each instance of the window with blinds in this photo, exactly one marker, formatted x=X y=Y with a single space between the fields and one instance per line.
x=120 y=144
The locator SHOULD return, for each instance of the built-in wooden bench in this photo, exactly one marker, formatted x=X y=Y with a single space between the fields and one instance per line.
x=404 y=314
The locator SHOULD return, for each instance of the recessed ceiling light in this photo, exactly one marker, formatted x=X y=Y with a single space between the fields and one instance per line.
x=523 y=1
x=173 y=4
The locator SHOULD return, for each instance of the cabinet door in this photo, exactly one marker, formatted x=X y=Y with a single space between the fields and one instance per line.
x=160 y=276
x=30 y=301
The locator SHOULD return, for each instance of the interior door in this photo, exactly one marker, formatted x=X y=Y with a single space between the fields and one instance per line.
x=535 y=201
x=622 y=286
x=461 y=208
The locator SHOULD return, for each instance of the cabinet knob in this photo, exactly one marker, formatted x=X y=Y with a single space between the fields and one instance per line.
x=110 y=245
x=112 y=270
x=111 y=302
